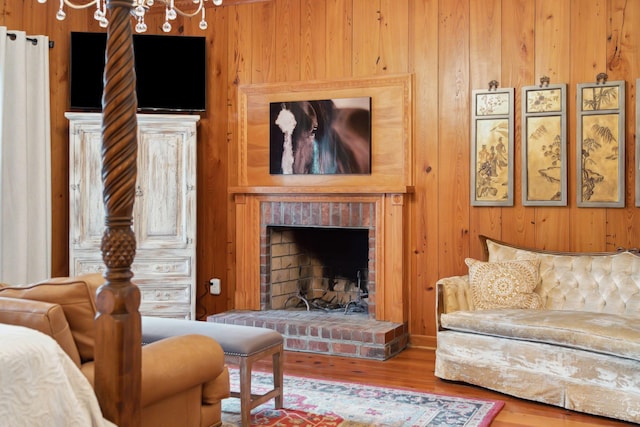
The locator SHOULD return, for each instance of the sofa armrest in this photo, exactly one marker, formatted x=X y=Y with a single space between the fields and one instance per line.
x=452 y=294
x=175 y=364
x=45 y=317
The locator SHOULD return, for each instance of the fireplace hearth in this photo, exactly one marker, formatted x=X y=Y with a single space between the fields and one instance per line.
x=334 y=333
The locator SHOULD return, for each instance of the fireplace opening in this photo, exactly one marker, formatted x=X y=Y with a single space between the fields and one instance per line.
x=319 y=268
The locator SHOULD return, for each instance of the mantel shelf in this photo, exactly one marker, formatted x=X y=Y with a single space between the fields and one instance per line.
x=377 y=189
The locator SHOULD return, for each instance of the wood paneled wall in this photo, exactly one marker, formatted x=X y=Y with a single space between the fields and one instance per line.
x=452 y=47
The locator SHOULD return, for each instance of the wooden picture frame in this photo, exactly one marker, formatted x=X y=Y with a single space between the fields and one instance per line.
x=600 y=144
x=544 y=145
x=391 y=101
x=492 y=135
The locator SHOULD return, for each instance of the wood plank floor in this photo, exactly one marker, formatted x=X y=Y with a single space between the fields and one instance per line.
x=413 y=369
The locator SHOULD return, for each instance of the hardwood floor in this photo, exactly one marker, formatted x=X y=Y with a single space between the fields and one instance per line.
x=413 y=369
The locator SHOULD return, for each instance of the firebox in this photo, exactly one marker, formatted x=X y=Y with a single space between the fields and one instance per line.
x=320 y=253
x=319 y=268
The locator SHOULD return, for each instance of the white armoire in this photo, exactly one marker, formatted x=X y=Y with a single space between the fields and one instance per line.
x=164 y=216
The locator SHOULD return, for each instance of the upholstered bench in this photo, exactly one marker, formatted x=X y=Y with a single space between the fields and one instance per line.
x=242 y=346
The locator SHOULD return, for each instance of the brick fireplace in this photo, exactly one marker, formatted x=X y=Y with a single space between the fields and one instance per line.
x=379 y=333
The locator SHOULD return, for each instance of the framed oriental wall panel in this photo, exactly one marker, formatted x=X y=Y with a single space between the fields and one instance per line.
x=492 y=134
x=544 y=145
x=600 y=144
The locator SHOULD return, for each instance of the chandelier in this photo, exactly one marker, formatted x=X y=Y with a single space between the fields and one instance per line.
x=139 y=10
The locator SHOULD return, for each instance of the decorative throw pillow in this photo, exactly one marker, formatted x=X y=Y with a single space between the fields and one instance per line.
x=504 y=284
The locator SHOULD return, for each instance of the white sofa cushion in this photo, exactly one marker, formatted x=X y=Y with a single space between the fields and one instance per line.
x=611 y=334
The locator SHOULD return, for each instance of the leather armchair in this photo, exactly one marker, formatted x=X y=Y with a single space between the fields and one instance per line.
x=184 y=378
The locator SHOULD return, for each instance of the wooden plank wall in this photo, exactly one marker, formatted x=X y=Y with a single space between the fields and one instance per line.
x=452 y=47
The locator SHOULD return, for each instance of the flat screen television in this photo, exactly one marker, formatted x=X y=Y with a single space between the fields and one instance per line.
x=170 y=72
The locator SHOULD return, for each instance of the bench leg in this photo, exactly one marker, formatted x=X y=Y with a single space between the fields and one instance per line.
x=245 y=391
x=278 y=372
x=248 y=401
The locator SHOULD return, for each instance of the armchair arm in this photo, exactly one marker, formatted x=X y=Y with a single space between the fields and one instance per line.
x=452 y=294
x=175 y=364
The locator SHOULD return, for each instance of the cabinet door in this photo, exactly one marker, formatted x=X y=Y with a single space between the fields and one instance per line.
x=86 y=206
x=165 y=192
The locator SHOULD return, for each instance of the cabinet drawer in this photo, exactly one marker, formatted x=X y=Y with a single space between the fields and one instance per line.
x=158 y=294
x=167 y=267
x=87 y=265
x=144 y=268
x=170 y=312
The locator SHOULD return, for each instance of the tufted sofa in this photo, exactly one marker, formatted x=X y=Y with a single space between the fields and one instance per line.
x=184 y=378
x=578 y=349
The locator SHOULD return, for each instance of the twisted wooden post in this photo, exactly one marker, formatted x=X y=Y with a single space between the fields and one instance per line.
x=118 y=333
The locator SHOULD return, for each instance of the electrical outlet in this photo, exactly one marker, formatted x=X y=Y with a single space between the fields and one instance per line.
x=214 y=286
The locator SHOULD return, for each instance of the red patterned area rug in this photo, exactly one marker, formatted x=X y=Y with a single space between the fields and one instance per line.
x=312 y=402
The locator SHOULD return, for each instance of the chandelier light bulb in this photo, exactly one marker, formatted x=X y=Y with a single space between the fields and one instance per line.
x=171 y=14
x=61 y=15
x=97 y=15
x=42 y=1
x=166 y=27
x=217 y=2
x=150 y=3
x=141 y=26
x=203 y=22
x=104 y=22
x=138 y=11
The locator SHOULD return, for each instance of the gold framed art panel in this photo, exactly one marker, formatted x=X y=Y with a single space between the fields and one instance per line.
x=492 y=147
x=544 y=145
x=600 y=144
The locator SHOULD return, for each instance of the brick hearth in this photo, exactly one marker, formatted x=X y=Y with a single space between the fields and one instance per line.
x=336 y=333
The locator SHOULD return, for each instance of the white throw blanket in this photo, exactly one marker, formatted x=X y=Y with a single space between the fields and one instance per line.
x=41 y=386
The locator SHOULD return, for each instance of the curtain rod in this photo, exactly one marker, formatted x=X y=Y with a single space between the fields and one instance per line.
x=33 y=41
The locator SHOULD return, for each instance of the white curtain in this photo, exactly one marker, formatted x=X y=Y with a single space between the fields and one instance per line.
x=25 y=158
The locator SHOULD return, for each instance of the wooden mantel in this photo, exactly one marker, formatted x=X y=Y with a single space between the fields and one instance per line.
x=345 y=189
